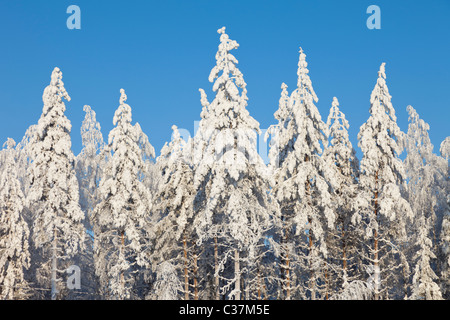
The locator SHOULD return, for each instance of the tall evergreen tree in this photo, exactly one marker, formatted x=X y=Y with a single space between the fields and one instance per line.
x=58 y=231
x=343 y=240
x=174 y=203
x=381 y=207
x=233 y=208
x=444 y=209
x=14 y=231
x=88 y=165
x=422 y=172
x=123 y=214
x=300 y=185
x=90 y=161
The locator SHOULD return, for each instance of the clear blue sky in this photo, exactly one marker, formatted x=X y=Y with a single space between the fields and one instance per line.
x=161 y=52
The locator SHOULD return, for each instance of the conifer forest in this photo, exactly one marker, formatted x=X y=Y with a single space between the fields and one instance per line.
x=207 y=218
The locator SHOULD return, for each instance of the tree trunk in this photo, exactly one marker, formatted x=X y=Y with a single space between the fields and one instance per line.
x=344 y=251
x=195 y=275
x=376 y=266
x=122 y=252
x=310 y=236
x=216 y=270
x=186 y=278
x=259 y=286
x=54 y=290
x=237 y=275
x=288 y=270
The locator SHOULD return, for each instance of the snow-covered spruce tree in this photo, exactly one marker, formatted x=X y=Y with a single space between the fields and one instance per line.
x=233 y=208
x=423 y=177
x=167 y=285
x=301 y=187
x=444 y=209
x=424 y=286
x=90 y=161
x=14 y=231
x=285 y=248
x=123 y=213
x=381 y=207
x=174 y=204
x=424 y=173
x=58 y=232
x=88 y=165
x=342 y=241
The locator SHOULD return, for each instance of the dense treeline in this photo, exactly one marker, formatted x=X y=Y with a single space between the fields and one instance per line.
x=209 y=219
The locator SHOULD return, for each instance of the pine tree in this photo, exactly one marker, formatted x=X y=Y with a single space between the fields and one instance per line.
x=174 y=231
x=343 y=241
x=58 y=231
x=423 y=175
x=444 y=210
x=300 y=185
x=424 y=284
x=90 y=161
x=382 y=209
x=233 y=209
x=122 y=216
x=24 y=158
x=89 y=164
x=14 y=231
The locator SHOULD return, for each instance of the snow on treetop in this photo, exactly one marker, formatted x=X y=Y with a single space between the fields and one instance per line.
x=123 y=113
x=335 y=102
x=10 y=143
x=57 y=83
x=382 y=72
x=123 y=96
x=304 y=82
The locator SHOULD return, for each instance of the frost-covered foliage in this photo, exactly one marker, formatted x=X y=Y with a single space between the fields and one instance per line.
x=299 y=183
x=122 y=215
x=208 y=219
x=167 y=285
x=445 y=148
x=232 y=204
x=355 y=290
x=90 y=161
x=424 y=284
x=343 y=240
x=381 y=208
x=14 y=231
x=174 y=204
x=424 y=176
x=444 y=210
x=58 y=231
x=89 y=165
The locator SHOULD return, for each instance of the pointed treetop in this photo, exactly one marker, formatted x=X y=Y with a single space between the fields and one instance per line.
x=283 y=111
x=203 y=98
x=10 y=143
x=123 y=112
x=175 y=133
x=336 y=119
x=57 y=83
x=335 y=102
x=382 y=72
x=380 y=98
x=123 y=96
x=302 y=55
x=304 y=83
